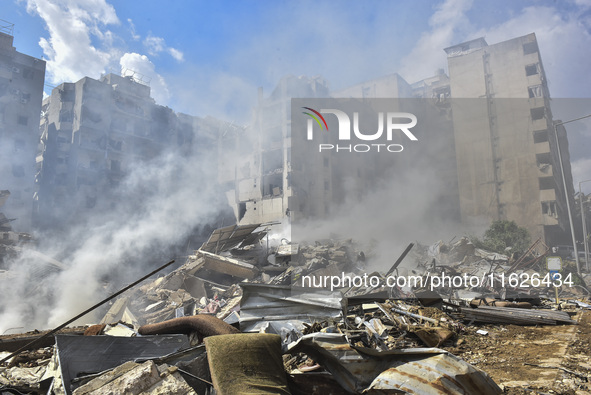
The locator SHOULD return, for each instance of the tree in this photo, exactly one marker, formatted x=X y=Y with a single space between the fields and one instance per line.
x=503 y=234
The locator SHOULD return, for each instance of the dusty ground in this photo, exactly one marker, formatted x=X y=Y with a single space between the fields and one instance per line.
x=507 y=352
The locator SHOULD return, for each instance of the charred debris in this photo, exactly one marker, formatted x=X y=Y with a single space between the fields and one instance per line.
x=235 y=319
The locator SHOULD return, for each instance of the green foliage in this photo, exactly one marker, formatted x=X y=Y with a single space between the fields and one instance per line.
x=502 y=234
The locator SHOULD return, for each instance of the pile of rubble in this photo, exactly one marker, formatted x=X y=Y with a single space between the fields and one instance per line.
x=10 y=241
x=236 y=318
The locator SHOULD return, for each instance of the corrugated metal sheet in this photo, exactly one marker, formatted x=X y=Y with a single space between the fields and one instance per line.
x=223 y=239
x=414 y=371
x=508 y=315
x=439 y=374
x=262 y=304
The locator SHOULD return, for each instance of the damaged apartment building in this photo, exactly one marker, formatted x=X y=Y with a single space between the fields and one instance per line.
x=92 y=131
x=500 y=159
x=260 y=188
x=508 y=157
x=21 y=91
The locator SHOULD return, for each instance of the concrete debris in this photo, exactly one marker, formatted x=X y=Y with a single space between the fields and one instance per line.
x=94 y=354
x=229 y=266
x=133 y=378
x=119 y=312
x=269 y=308
x=251 y=314
x=13 y=243
x=120 y=330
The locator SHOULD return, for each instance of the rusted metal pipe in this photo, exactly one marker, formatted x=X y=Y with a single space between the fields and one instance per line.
x=204 y=325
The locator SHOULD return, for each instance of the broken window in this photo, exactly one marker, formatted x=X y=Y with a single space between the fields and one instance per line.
x=3 y=86
x=18 y=170
x=19 y=145
x=544 y=167
x=532 y=69
x=28 y=73
x=549 y=208
x=535 y=91
x=115 y=165
x=65 y=116
x=543 y=158
x=115 y=144
x=23 y=120
x=90 y=114
x=273 y=184
x=241 y=210
x=273 y=161
x=67 y=95
x=529 y=48
x=540 y=136
x=547 y=182
x=538 y=113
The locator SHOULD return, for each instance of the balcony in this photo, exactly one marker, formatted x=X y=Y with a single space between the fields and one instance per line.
x=549 y=220
x=542 y=148
x=545 y=170
x=547 y=195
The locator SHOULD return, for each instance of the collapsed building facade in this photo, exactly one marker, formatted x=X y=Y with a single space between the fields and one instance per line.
x=227 y=321
x=94 y=131
x=501 y=164
x=180 y=333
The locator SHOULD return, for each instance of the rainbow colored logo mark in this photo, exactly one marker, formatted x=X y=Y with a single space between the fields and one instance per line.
x=315 y=118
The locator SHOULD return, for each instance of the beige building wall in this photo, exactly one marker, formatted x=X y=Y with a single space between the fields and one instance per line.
x=506 y=157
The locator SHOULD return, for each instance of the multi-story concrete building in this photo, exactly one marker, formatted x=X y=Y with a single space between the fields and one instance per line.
x=280 y=177
x=506 y=151
x=21 y=91
x=92 y=131
x=497 y=159
x=260 y=189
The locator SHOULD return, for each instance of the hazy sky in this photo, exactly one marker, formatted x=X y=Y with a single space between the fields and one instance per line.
x=209 y=57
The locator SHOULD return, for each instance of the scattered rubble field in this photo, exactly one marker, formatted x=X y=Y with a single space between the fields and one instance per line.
x=508 y=354
x=236 y=318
